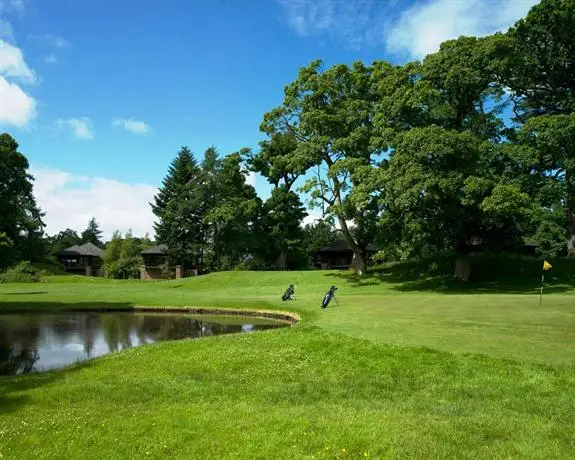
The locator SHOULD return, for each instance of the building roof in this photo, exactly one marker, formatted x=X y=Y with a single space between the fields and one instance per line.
x=86 y=249
x=343 y=246
x=155 y=250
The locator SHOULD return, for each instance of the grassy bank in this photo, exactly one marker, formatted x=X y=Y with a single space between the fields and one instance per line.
x=389 y=372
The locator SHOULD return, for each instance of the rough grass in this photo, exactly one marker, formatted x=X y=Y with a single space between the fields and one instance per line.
x=388 y=373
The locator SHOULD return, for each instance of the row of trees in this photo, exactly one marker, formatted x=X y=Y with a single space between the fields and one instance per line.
x=209 y=217
x=474 y=147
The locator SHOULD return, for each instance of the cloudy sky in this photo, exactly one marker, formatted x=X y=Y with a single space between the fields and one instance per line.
x=101 y=95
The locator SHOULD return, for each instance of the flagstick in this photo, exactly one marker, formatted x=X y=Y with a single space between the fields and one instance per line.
x=541 y=295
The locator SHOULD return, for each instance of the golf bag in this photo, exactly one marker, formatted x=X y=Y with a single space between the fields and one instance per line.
x=289 y=294
x=328 y=296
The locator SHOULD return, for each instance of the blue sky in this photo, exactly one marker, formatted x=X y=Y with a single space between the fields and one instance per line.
x=101 y=94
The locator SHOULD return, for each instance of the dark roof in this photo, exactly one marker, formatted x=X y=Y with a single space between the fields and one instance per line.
x=86 y=249
x=343 y=246
x=155 y=250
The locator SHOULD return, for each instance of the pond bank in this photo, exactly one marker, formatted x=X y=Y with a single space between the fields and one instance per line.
x=288 y=317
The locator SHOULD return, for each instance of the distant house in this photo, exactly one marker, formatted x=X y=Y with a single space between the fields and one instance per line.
x=337 y=255
x=85 y=259
x=154 y=259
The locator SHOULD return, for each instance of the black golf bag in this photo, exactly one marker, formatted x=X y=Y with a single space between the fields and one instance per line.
x=328 y=296
x=289 y=293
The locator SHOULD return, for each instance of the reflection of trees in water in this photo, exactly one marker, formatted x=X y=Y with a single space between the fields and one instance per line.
x=90 y=326
x=116 y=328
x=18 y=346
x=13 y=361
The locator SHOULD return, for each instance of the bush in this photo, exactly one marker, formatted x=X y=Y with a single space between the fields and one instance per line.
x=24 y=272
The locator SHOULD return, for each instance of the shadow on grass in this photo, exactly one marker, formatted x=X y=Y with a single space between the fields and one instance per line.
x=25 y=293
x=489 y=275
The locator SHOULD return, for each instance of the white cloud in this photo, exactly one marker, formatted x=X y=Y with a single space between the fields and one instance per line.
x=16 y=107
x=351 y=21
x=422 y=28
x=251 y=178
x=70 y=201
x=311 y=218
x=131 y=125
x=415 y=32
x=50 y=59
x=12 y=63
x=81 y=127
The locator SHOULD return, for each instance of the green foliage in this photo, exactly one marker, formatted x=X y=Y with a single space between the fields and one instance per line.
x=283 y=214
x=21 y=226
x=274 y=160
x=178 y=206
x=541 y=72
x=24 y=272
x=235 y=215
x=319 y=235
x=330 y=114
x=122 y=258
x=92 y=234
x=63 y=240
x=167 y=272
x=439 y=193
x=550 y=235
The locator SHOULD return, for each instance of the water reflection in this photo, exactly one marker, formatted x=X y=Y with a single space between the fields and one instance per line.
x=37 y=342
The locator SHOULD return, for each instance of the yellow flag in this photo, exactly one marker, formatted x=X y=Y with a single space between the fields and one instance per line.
x=546 y=265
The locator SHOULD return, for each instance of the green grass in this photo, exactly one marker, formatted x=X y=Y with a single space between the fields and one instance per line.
x=393 y=371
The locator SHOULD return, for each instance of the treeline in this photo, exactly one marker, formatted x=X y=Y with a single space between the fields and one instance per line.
x=208 y=217
x=471 y=149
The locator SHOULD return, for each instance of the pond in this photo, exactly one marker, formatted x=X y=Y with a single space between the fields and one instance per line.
x=33 y=342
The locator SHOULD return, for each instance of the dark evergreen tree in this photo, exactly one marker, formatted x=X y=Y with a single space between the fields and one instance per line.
x=283 y=214
x=178 y=206
x=92 y=233
x=21 y=226
x=210 y=169
x=236 y=216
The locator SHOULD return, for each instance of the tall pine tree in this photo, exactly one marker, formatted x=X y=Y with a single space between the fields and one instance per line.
x=178 y=206
x=236 y=215
x=92 y=233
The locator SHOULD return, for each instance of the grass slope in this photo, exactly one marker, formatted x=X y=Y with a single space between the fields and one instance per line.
x=390 y=372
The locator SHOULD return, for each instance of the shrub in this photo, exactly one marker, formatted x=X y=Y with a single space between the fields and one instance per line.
x=24 y=272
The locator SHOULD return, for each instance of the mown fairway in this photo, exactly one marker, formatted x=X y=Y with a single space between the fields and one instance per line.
x=389 y=372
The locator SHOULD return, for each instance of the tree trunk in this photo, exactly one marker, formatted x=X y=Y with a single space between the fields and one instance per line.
x=571 y=232
x=281 y=260
x=570 y=210
x=462 y=267
x=358 y=262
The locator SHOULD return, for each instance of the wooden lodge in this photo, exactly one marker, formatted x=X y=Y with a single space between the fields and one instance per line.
x=338 y=255
x=84 y=259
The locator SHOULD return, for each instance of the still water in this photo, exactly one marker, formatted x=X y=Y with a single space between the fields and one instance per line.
x=32 y=342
